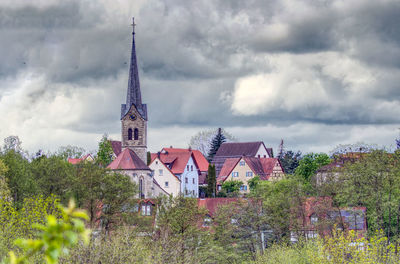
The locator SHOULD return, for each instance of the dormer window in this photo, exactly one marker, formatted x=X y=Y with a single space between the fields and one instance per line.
x=313 y=219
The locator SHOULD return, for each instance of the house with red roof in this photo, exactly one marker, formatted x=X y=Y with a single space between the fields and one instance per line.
x=246 y=168
x=228 y=150
x=130 y=164
x=86 y=158
x=178 y=170
x=317 y=217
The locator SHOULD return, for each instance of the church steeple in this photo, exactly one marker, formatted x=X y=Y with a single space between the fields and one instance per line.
x=134 y=96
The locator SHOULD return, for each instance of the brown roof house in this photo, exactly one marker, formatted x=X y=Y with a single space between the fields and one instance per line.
x=246 y=168
x=240 y=149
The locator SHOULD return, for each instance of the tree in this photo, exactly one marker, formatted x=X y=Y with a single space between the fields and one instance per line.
x=69 y=151
x=19 y=176
x=117 y=196
x=148 y=158
x=12 y=143
x=215 y=144
x=290 y=161
x=231 y=188
x=202 y=140
x=211 y=181
x=5 y=193
x=309 y=164
x=178 y=227
x=53 y=175
x=105 y=153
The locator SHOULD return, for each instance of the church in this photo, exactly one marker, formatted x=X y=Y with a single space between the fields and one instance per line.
x=131 y=152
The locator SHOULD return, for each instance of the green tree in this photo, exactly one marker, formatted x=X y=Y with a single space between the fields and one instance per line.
x=105 y=153
x=117 y=194
x=179 y=232
x=53 y=175
x=211 y=181
x=55 y=238
x=290 y=161
x=69 y=151
x=231 y=188
x=215 y=144
x=19 y=176
x=309 y=165
x=148 y=158
x=5 y=193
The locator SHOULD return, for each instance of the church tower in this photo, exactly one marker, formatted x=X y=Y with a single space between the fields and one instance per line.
x=134 y=113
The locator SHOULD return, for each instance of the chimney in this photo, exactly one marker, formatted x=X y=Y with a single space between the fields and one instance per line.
x=158 y=154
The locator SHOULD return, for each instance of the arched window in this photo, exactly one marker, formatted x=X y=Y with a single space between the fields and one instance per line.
x=130 y=134
x=136 y=134
x=141 y=194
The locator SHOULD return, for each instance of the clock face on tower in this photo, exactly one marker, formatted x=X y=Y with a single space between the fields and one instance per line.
x=132 y=117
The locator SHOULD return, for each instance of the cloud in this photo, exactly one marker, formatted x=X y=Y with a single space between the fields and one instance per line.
x=265 y=69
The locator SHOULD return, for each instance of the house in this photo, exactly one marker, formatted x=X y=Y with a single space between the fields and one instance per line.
x=240 y=149
x=246 y=168
x=130 y=164
x=86 y=158
x=171 y=165
x=201 y=161
x=317 y=216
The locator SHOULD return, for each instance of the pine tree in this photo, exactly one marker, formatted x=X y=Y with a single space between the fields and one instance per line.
x=211 y=181
x=215 y=144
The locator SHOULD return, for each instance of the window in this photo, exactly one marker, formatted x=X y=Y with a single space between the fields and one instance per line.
x=243 y=187
x=146 y=209
x=313 y=219
x=249 y=174
x=242 y=163
x=259 y=156
x=265 y=156
x=219 y=188
x=141 y=194
x=130 y=134
x=207 y=221
x=187 y=167
x=235 y=174
x=156 y=162
x=160 y=172
x=166 y=184
x=136 y=134
x=186 y=191
x=194 y=182
x=193 y=192
x=186 y=180
x=191 y=167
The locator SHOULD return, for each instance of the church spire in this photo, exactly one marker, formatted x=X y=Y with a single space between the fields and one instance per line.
x=134 y=96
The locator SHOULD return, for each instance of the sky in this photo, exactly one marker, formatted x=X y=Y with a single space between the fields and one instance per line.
x=315 y=73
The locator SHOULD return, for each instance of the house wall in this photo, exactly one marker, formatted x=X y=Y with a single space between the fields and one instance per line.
x=192 y=186
x=277 y=172
x=241 y=175
x=145 y=175
x=262 y=152
x=174 y=185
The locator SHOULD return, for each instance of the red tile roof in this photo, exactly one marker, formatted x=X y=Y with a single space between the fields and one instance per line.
x=262 y=167
x=177 y=159
x=128 y=160
x=212 y=204
x=201 y=161
x=76 y=161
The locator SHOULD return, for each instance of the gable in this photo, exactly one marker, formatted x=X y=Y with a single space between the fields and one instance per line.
x=133 y=113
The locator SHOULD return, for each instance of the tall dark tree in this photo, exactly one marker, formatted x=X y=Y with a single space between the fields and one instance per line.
x=216 y=143
x=290 y=161
x=211 y=181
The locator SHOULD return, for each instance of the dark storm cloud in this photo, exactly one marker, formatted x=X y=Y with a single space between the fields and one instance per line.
x=204 y=63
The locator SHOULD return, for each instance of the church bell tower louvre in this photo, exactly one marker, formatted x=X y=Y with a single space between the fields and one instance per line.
x=134 y=113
